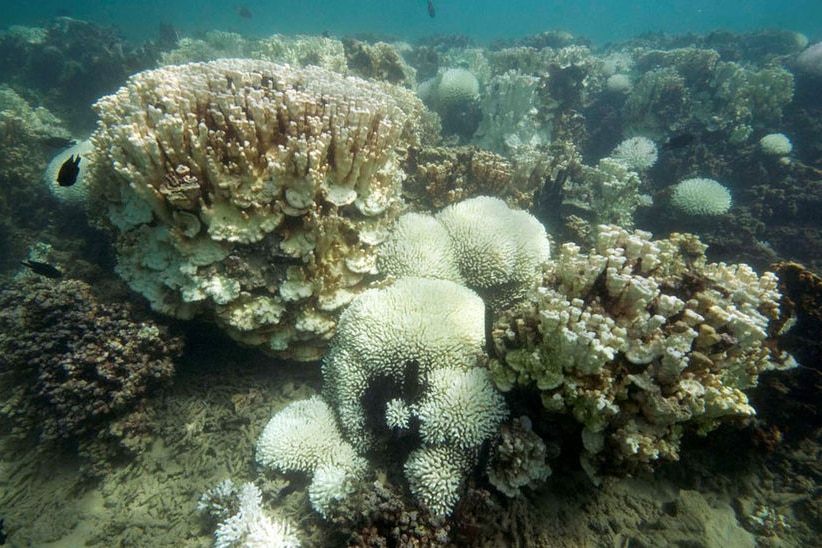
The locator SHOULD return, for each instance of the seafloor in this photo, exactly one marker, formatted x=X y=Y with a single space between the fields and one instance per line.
x=133 y=475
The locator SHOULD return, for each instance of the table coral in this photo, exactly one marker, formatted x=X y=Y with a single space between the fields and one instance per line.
x=252 y=190
x=73 y=365
x=641 y=341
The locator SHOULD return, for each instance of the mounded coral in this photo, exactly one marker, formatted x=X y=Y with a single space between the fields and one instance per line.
x=76 y=194
x=73 y=366
x=701 y=196
x=636 y=153
x=480 y=243
x=641 y=341
x=252 y=190
x=776 y=144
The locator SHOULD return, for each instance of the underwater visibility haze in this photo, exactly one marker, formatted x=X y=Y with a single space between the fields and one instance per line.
x=415 y=273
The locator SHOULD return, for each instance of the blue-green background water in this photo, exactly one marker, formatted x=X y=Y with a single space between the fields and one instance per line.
x=600 y=20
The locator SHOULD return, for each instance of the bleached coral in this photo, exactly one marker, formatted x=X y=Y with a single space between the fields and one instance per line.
x=457 y=86
x=640 y=340
x=411 y=350
x=701 y=196
x=435 y=475
x=776 y=144
x=460 y=408
x=251 y=527
x=77 y=193
x=636 y=153
x=255 y=179
x=406 y=330
x=481 y=243
x=303 y=437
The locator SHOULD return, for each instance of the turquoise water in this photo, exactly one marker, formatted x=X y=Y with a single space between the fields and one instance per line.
x=484 y=20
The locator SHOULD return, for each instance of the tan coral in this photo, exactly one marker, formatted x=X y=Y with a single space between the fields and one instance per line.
x=252 y=181
x=641 y=340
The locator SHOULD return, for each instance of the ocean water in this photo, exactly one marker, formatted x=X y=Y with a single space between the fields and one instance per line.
x=483 y=20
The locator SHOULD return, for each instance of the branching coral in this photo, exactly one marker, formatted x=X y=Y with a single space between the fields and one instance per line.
x=252 y=189
x=72 y=365
x=641 y=341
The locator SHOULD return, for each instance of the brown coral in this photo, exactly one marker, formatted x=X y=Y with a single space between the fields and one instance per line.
x=72 y=365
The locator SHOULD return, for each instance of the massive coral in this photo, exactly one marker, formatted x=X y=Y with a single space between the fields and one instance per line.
x=252 y=190
x=72 y=365
x=640 y=341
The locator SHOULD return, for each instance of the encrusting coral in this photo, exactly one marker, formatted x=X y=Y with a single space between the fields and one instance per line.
x=255 y=190
x=72 y=365
x=640 y=341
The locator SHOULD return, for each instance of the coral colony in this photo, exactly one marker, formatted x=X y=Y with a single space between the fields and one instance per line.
x=304 y=202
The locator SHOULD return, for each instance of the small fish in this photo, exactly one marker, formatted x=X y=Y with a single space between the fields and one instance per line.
x=43 y=269
x=244 y=12
x=679 y=141
x=432 y=10
x=3 y=535
x=69 y=171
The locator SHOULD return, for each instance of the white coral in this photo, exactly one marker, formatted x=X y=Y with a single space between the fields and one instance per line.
x=250 y=527
x=460 y=408
x=430 y=323
x=700 y=196
x=636 y=153
x=435 y=475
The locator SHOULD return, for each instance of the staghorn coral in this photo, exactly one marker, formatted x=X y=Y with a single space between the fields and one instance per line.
x=254 y=190
x=72 y=366
x=640 y=341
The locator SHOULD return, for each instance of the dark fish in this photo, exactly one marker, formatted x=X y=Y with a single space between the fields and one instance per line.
x=3 y=535
x=432 y=10
x=679 y=141
x=59 y=142
x=244 y=12
x=69 y=171
x=43 y=269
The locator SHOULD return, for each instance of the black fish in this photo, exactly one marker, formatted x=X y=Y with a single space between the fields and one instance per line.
x=679 y=141
x=432 y=10
x=3 y=535
x=244 y=12
x=69 y=171
x=43 y=269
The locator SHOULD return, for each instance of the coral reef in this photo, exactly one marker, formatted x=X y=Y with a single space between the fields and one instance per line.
x=518 y=458
x=254 y=190
x=68 y=63
x=77 y=193
x=74 y=368
x=441 y=176
x=640 y=341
